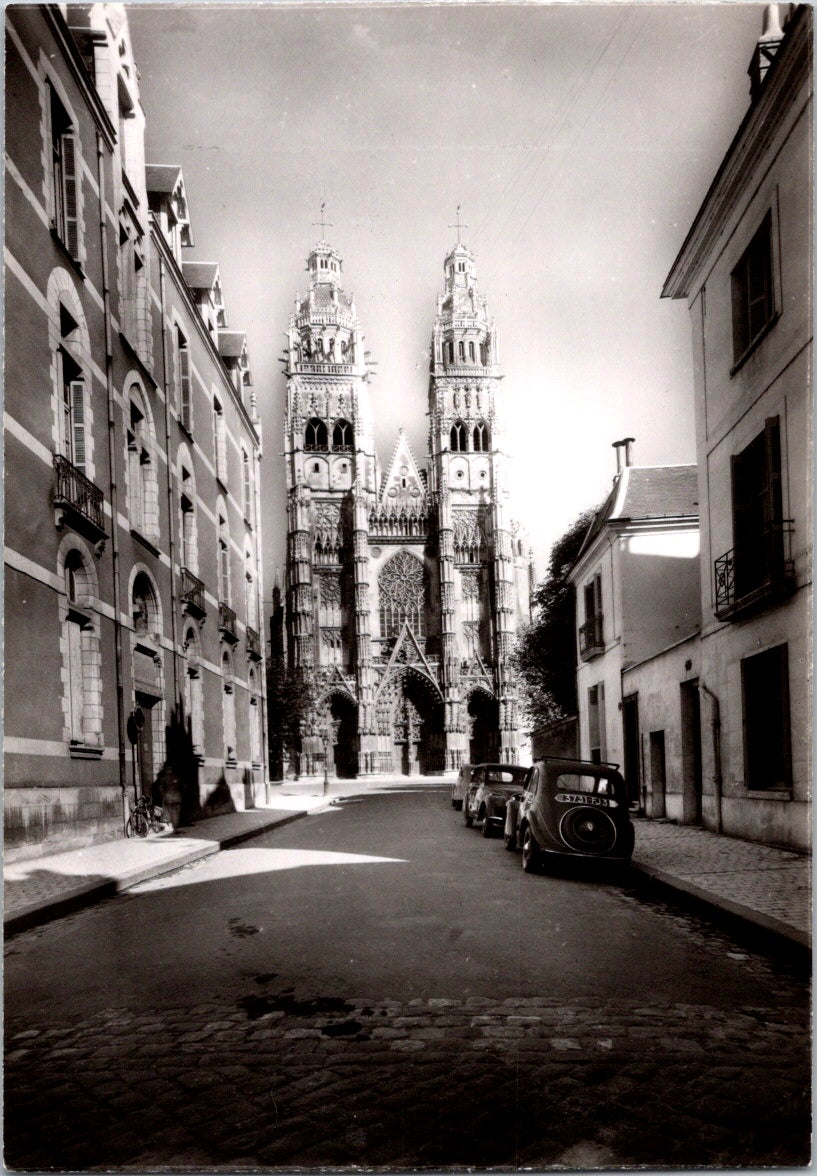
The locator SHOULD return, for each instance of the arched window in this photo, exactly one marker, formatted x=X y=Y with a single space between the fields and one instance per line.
x=450 y=349
x=144 y=606
x=343 y=437
x=72 y=385
x=482 y=438
x=402 y=596
x=251 y=602
x=471 y=352
x=461 y=350
x=193 y=688
x=143 y=490
x=459 y=437
x=228 y=699
x=316 y=436
x=82 y=663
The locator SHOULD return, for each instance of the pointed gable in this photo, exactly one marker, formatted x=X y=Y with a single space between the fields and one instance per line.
x=404 y=483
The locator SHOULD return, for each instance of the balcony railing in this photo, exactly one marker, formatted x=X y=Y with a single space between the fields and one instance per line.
x=226 y=623
x=326 y=369
x=192 y=594
x=591 y=637
x=75 y=493
x=748 y=580
x=253 y=644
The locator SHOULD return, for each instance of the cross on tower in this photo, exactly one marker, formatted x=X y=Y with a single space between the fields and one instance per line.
x=323 y=222
x=458 y=226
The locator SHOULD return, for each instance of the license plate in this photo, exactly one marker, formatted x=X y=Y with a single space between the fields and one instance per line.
x=583 y=798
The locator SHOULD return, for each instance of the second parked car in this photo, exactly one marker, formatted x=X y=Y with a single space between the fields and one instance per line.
x=460 y=786
x=488 y=793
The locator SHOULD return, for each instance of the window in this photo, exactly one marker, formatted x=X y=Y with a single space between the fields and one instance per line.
x=461 y=350
x=64 y=176
x=184 y=392
x=591 y=633
x=459 y=442
x=189 y=535
x=228 y=699
x=450 y=350
x=402 y=596
x=766 y=726
x=255 y=719
x=753 y=291
x=223 y=561
x=757 y=512
x=73 y=410
x=246 y=475
x=471 y=352
x=194 y=700
x=142 y=482
x=82 y=697
x=316 y=435
x=343 y=437
x=596 y=723
x=220 y=439
x=481 y=438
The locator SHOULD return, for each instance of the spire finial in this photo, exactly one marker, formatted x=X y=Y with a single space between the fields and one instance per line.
x=458 y=226
x=323 y=222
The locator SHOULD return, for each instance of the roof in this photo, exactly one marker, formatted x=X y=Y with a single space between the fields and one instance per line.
x=200 y=275
x=231 y=344
x=647 y=492
x=161 y=177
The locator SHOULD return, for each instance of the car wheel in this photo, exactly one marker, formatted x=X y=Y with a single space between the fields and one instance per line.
x=510 y=842
x=487 y=827
x=458 y=805
x=531 y=857
x=466 y=814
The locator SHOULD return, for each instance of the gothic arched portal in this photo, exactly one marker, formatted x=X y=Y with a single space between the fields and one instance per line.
x=412 y=715
x=483 y=728
x=342 y=721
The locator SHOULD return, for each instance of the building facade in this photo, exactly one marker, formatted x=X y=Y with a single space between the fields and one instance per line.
x=404 y=588
x=745 y=271
x=132 y=451
x=636 y=579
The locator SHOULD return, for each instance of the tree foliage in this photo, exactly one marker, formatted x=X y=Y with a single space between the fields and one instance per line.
x=291 y=698
x=545 y=655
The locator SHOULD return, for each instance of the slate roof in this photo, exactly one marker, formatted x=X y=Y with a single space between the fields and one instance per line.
x=231 y=344
x=648 y=492
x=200 y=275
x=162 y=177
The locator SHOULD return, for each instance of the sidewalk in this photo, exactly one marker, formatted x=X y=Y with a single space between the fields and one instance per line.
x=767 y=887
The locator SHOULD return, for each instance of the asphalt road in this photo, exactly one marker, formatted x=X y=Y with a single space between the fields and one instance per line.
x=379 y=985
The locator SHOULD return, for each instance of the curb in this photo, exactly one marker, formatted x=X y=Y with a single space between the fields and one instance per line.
x=84 y=894
x=725 y=906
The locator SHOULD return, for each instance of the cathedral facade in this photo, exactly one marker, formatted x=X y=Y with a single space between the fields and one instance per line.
x=404 y=589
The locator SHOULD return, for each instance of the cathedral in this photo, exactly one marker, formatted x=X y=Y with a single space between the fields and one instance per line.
x=405 y=589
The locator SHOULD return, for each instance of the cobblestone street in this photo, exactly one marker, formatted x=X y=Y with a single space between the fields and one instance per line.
x=262 y=1052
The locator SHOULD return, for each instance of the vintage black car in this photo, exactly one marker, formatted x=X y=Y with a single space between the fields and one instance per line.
x=488 y=792
x=570 y=807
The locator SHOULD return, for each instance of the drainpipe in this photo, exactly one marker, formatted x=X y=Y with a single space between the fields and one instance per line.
x=716 y=747
x=112 y=487
x=171 y=540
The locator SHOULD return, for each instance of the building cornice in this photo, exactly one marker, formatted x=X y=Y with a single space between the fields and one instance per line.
x=789 y=71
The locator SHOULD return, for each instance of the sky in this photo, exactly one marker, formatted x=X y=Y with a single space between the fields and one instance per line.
x=579 y=141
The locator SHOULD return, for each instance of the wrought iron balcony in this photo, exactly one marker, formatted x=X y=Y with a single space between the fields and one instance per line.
x=77 y=500
x=750 y=579
x=253 y=644
x=226 y=623
x=192 y=595
x=591 y=637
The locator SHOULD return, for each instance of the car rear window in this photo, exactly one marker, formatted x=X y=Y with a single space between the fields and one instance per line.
x=508 y=776
x=573 y=782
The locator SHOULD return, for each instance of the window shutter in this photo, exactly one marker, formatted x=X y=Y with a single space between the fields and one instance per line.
x=70 y=201
x=184 y=387
x=78 y=424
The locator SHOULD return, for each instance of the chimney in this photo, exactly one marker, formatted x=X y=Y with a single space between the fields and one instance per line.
x=767 y=46
x=626 y=445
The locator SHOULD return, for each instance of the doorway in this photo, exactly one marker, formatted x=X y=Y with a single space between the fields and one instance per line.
x=483 y=728
x=632 y=739
x=658 y=775
x=691 y=753
x=146 y=768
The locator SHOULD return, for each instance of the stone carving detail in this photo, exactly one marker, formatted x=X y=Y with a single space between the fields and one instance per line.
x=469 y=537
x=470 y=585
x=401 y=582
x=329 y=590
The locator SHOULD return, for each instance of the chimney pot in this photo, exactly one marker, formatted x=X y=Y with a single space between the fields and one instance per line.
x=628 y=443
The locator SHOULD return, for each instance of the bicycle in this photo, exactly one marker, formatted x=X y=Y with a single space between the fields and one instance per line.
x=145 y=818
